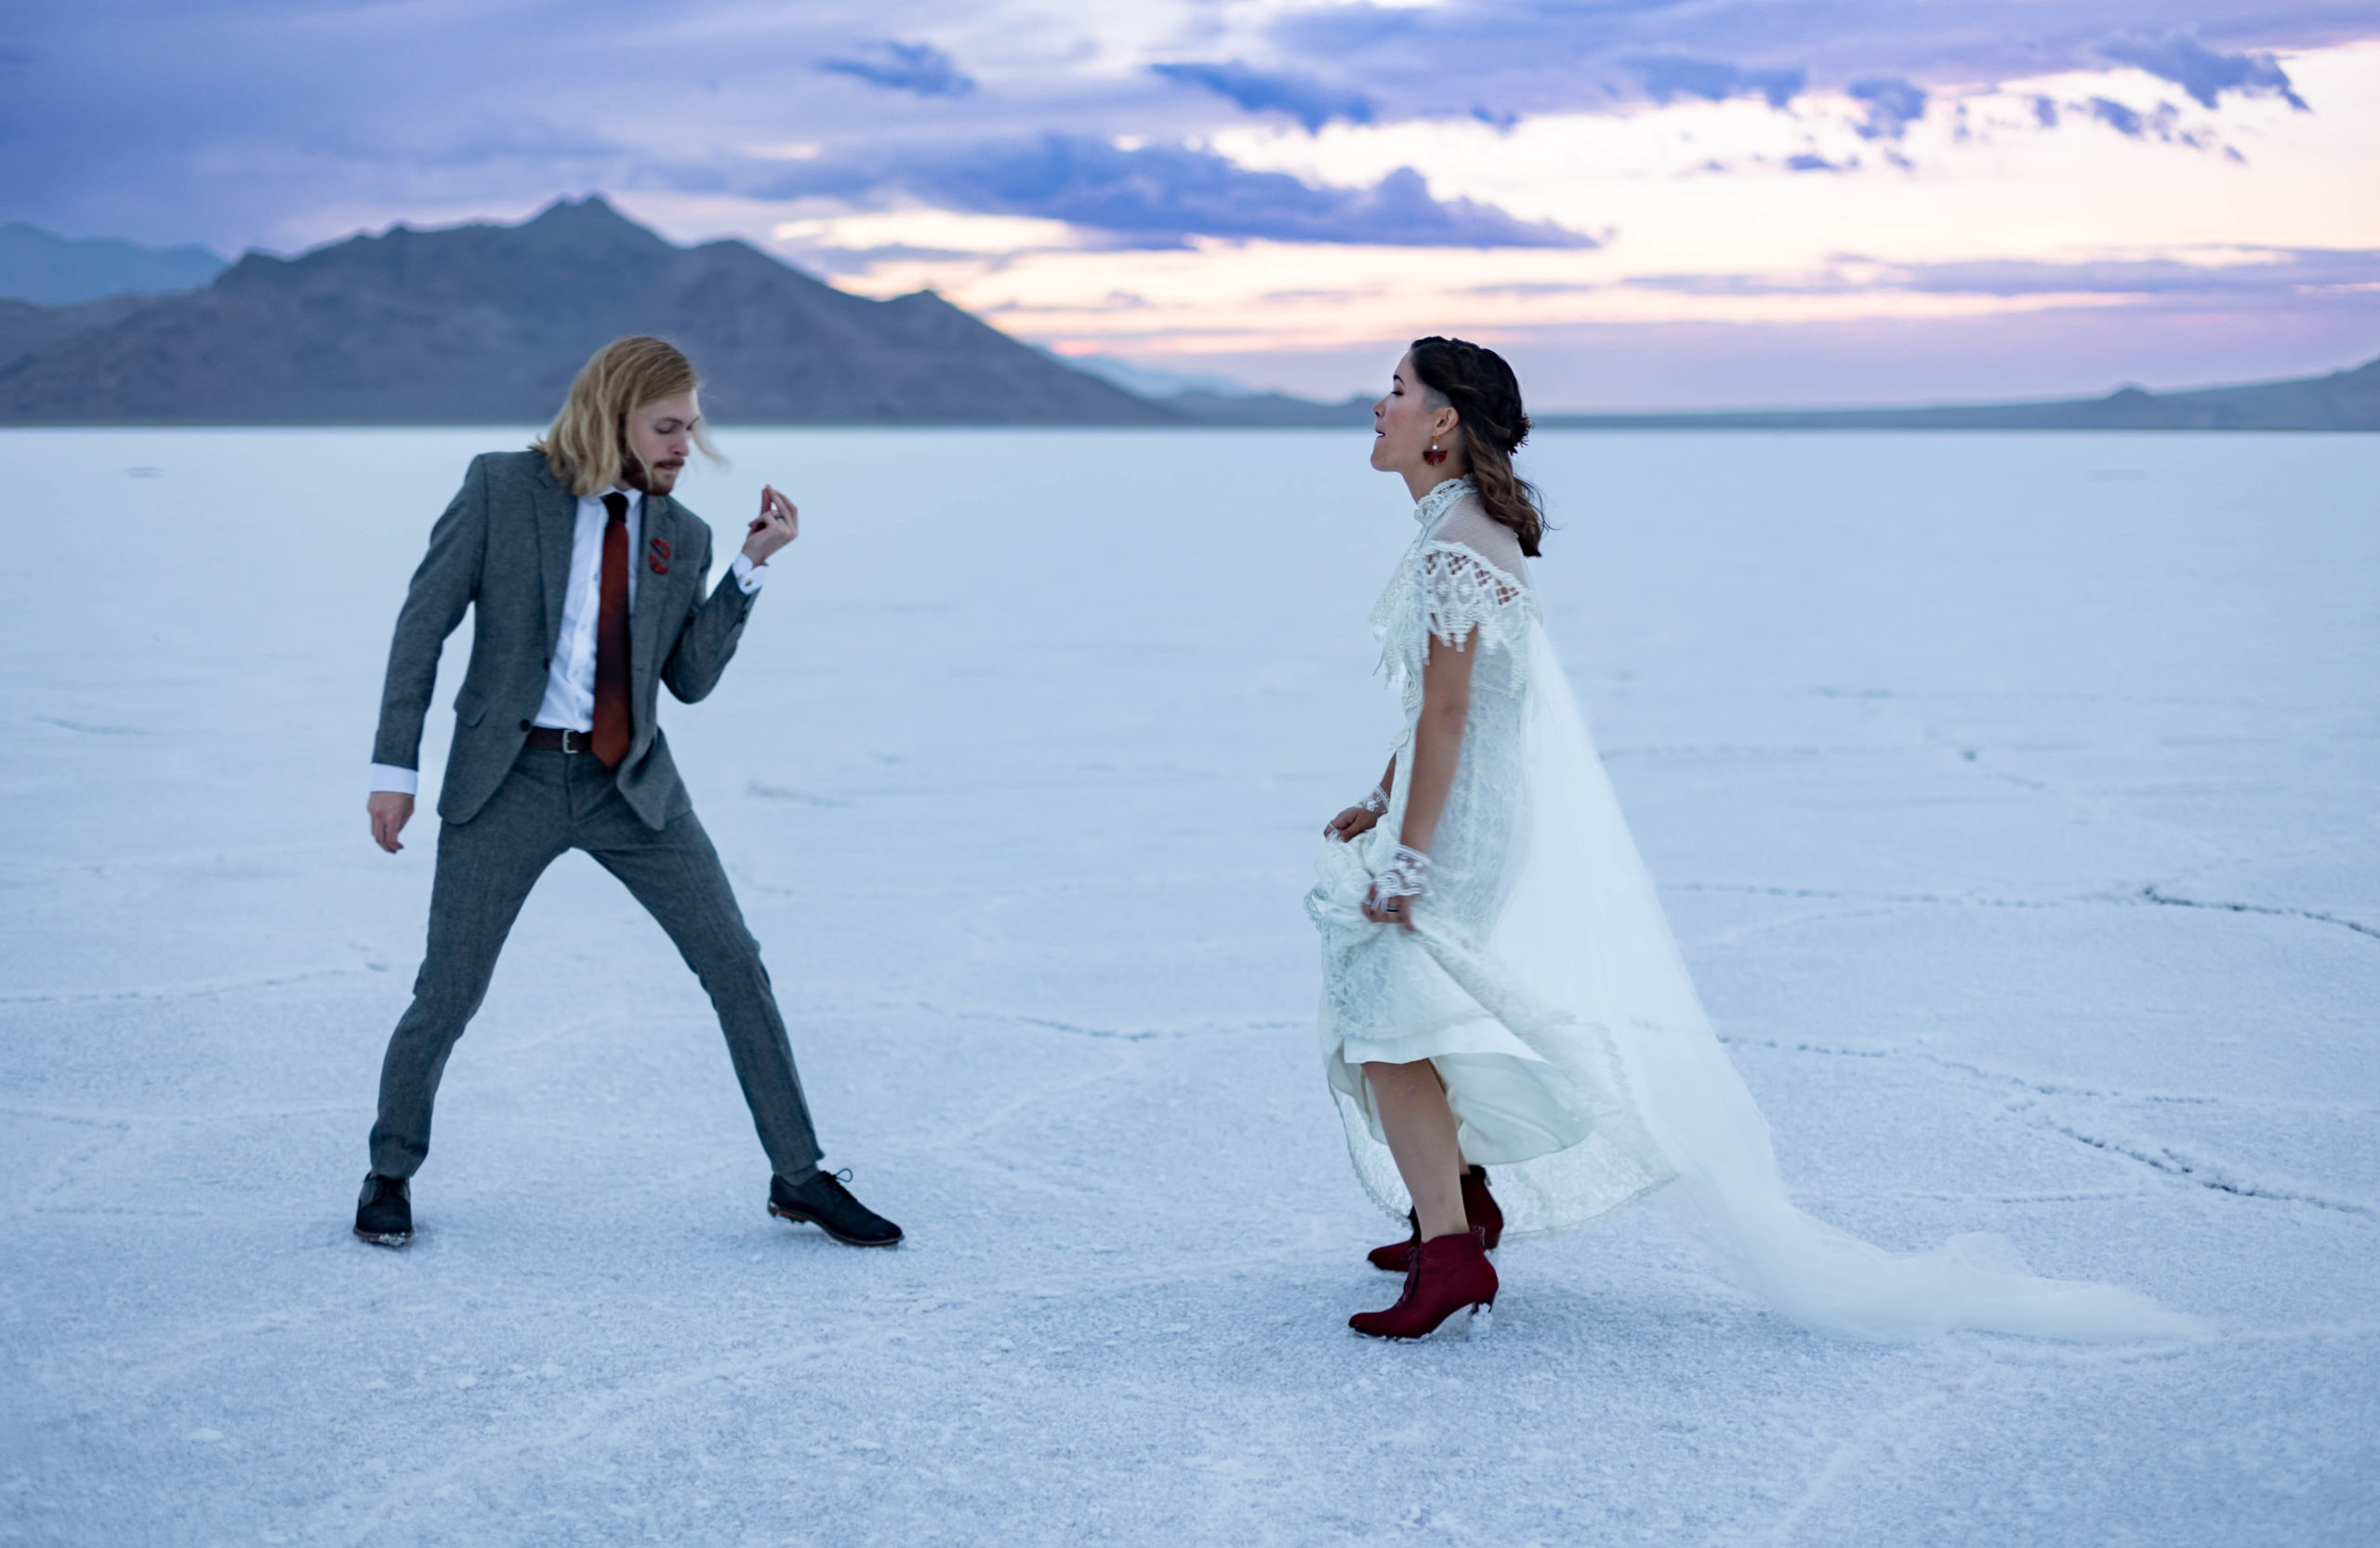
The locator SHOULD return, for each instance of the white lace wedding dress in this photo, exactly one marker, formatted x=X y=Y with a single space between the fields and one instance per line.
x=1541 y=980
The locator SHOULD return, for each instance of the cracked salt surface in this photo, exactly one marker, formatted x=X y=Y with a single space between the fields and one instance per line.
x=2020 y=825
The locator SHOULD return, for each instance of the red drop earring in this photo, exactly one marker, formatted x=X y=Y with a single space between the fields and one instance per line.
x=1435 y=455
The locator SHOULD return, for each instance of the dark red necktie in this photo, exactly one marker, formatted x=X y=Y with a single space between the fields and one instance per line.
x=614 y=726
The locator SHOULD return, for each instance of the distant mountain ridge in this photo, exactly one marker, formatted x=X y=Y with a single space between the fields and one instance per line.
x=2346 y=400
x=487 y=324
x=49 y=269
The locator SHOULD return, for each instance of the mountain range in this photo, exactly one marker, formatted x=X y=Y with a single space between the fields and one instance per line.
x=49 y=269
x=487 y=324
x=2342 y=401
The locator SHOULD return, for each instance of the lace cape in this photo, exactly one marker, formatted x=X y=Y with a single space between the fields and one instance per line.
x=1463 y=575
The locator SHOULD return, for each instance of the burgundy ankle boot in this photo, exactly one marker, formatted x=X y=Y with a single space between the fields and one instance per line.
x=1478 y=1209
x=1448 y=1275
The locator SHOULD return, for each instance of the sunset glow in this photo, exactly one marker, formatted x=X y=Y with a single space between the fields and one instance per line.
x=1284 y=191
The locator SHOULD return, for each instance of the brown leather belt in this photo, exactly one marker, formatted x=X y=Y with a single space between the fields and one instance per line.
x=546 y=738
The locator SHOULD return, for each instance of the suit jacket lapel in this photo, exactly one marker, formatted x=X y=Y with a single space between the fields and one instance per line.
x=557 y=525
x=653 y=588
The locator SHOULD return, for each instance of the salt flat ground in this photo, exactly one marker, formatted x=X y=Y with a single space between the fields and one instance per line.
x=2017 y=800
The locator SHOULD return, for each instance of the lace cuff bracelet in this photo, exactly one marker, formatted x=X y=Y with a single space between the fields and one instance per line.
x=1406 y=875
x=1376 y=802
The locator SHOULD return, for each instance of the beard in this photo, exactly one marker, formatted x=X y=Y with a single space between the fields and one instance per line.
x=657 y=480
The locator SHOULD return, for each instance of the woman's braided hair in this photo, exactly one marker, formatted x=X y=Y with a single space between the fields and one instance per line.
x=1486 y=398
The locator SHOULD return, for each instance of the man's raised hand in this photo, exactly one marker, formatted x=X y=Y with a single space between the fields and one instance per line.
x=779 y=524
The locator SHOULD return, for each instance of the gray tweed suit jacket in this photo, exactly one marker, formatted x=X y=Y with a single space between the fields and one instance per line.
x=502 y=549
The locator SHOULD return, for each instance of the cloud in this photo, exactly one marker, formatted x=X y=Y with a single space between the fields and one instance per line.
x=1893 y=105
x=2294 y=272
x=2275 y=275
x=1310 y=102
x=1534 y=289
x=266 y=122
x=919 y=68
x=2163 y=122
x=2205 y=74
x=1542 y=57
x=2115 y=115
x=1164 y=195
x=1666 y=78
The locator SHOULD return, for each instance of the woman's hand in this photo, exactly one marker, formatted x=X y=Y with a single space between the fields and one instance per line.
x=778 y=524
x=1347 y=824
x=1397 y=889
x=1394 y=910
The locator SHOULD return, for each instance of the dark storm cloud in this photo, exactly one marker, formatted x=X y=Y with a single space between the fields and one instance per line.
x=1162 y=195
x=1310 y=102
x=918 y=68
x=2204 y=73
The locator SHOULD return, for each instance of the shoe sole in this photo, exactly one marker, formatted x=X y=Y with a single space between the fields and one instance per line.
x=1477 y=1324
x=383 y=1239
x=800 y=1219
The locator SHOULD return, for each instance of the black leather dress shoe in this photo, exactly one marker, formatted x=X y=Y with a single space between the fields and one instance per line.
x=384 y=1214
x=826 y=1203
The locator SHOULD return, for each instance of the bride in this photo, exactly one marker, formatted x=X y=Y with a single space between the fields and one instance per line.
x=1499 y=987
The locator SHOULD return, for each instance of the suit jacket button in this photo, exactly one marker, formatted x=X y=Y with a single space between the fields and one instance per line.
x=525 y=725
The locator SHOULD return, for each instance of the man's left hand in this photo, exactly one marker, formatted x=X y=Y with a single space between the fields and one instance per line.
x=390 y=809
x=778 y=524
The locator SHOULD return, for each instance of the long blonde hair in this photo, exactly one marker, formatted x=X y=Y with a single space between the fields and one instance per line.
x=587 y=445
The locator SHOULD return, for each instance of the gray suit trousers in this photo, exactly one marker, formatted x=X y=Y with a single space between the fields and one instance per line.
x=553 y=802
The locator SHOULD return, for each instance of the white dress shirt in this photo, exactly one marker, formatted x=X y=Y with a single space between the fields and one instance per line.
x=569 y=704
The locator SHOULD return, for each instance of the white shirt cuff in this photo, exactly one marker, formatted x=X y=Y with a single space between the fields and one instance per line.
x=388 y=777
x=749 y=576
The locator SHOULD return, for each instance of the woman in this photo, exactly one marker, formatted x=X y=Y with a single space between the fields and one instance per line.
x=1500 y=988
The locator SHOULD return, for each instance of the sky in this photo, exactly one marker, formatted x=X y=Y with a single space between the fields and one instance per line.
x=1643 y=203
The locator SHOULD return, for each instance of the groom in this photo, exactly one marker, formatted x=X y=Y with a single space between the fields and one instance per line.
x=585 y=580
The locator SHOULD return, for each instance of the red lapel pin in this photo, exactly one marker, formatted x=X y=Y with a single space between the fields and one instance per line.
x=658 y=568
x=661 y=547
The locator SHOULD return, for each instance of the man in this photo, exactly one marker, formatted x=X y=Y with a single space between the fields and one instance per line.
x=585 y=583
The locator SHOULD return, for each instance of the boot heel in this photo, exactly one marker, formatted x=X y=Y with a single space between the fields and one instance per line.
x=1481 y=1322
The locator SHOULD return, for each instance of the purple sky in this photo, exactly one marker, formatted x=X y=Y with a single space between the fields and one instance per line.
x=1650 y=202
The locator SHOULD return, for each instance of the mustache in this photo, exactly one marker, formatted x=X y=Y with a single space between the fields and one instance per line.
x=638 y=474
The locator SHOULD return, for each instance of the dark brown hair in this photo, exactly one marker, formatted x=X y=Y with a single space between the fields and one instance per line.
x=1486 y=399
